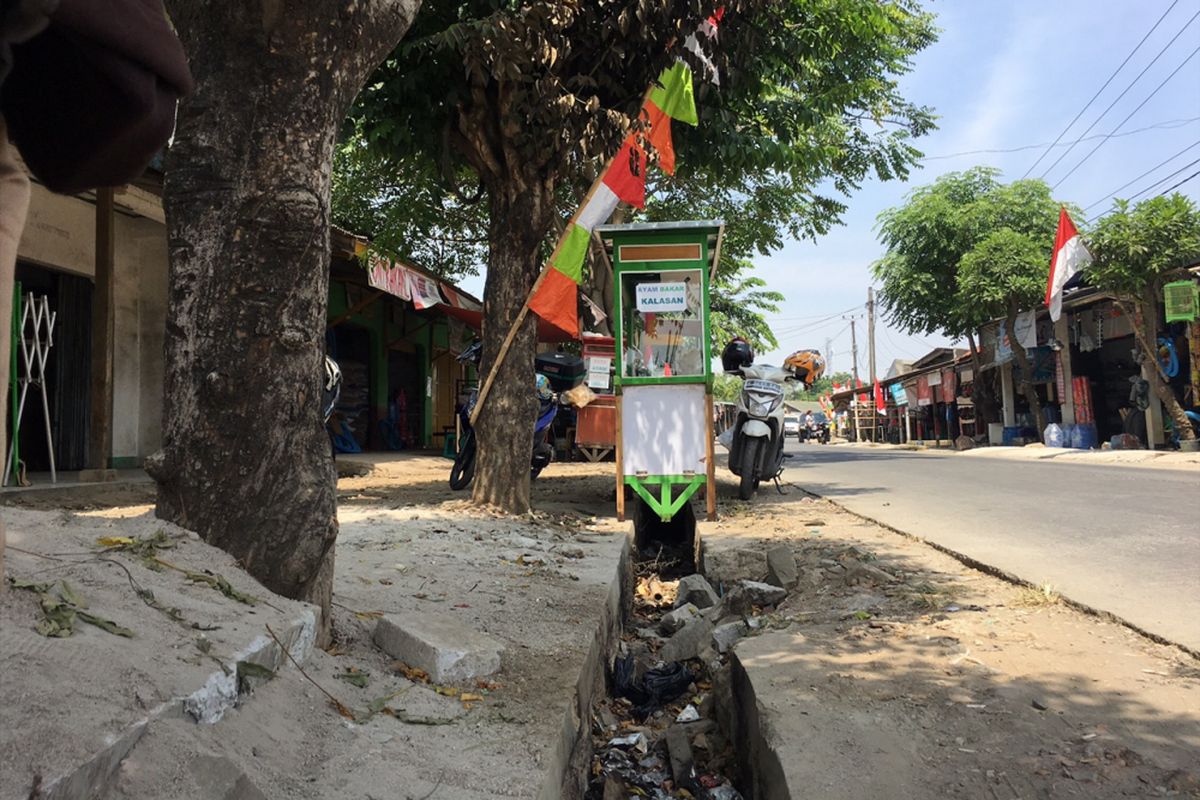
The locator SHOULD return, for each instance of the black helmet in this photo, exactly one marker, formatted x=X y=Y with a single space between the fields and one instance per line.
x=737 y=354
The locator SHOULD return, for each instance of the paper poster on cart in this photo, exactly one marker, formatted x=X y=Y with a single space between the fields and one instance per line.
x=662 y=297
x=598 y=372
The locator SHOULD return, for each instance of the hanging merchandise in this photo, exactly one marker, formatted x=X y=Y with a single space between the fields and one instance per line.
x=1168 y=359
x=35 y=336
x=1180 y=301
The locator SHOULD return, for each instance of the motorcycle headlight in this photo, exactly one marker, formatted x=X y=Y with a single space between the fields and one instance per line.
x=763 y=405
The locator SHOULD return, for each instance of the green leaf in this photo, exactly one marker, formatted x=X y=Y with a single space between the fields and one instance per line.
x=354 y=677
x=104 y=624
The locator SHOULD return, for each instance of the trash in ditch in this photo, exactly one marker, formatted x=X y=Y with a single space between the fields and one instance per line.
x=656 y=687
x=653 y=591
x=689 y=714
x=635 y=740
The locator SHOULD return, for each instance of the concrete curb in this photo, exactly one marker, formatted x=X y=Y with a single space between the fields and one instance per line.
x=567 y=776
x=93 y=777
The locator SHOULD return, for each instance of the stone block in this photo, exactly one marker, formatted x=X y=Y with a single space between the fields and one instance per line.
x=725 y=635
x=695 y=589
x=781 y=567
x=674 y=620
x=446 y=649
x=688 y=642
x=762 y=594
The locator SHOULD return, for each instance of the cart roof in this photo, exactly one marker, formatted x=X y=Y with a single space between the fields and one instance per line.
x=714 y=227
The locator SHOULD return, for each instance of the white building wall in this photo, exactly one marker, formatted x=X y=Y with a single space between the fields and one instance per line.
x=61 y=235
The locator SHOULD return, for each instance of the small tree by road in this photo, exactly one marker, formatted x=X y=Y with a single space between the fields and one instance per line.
x=1136 y=250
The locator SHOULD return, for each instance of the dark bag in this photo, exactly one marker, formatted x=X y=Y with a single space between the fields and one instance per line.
x=91 y=100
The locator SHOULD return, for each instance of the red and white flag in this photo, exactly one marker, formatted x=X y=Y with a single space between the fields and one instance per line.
x=1070 y=256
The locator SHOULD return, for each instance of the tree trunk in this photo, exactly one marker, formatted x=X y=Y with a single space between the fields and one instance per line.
x=1159 y=382
x=521 y=211
x=1027 y=386
x=245 y=460
x=981 y=392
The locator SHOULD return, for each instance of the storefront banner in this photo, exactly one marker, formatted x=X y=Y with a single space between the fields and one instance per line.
x=1026 y=334
x=424 y=290
x=662 y=297
x=934 y=378
x=388 y=277
x=924 y=391
x=899 y=396
x=459 y=300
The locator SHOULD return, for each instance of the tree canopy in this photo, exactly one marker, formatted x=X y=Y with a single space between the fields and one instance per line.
x=1135 y=248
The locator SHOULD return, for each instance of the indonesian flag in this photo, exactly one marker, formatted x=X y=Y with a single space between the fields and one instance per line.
x=880 y=403
x=1070 y=256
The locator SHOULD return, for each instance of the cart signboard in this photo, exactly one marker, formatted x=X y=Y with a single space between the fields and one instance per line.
x=663 y=363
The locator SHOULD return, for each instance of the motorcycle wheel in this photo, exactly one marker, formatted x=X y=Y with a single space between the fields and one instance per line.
x=463 y=470
x=749 y=477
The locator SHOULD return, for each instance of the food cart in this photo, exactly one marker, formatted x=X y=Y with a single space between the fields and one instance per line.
x=663 y=377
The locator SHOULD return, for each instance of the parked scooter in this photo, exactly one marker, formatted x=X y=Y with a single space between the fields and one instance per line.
x=757 y=437
x=463 y=471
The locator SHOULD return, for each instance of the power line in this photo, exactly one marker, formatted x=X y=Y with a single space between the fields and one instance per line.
x=1125 y=91
x=1131 y=113
x=1147 y=172
x=1177 y=185
x=1170 y=124
x=1100 y=90
x=1151 y=188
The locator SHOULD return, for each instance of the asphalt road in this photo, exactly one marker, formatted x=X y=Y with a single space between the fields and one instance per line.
x=1122 y=539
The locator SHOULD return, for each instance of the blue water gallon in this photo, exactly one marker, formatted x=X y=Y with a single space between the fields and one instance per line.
x=1083 y=437
x=1053 y=435
x=1011 y=434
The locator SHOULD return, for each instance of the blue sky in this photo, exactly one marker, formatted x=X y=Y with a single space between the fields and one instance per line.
x=1003 y=75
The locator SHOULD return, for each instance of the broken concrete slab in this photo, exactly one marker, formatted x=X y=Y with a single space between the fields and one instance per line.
x=688 y=642
x=446 y=649
x=725 y=635
x=679 y=753
x=725 y=567
x=674 y=620
x=696 y=589
x=781 y=567
x=762 y=594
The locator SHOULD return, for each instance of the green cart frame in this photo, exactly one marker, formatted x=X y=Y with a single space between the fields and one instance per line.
x=662 y=275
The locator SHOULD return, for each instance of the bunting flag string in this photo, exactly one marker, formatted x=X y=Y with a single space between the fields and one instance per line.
x=554 y=296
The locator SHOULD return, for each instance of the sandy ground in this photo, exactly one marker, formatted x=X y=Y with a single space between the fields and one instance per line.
x=927 y=679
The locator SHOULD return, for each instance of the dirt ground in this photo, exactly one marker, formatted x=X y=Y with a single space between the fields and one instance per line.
x=973 y=687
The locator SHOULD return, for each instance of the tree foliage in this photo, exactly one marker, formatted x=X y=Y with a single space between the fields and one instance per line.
x=1136 y=248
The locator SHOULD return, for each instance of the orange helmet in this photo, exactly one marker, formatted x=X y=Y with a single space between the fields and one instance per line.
x=806 y=365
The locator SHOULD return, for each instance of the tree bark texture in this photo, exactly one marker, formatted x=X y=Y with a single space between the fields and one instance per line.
x=245 y=459
x=1022 y=357
x=522 y=209
x=981 y=392
x=1147 y=342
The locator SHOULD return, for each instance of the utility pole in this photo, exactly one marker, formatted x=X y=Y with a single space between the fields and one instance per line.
x=828 y=355
x=854 y=352
x=871 y=331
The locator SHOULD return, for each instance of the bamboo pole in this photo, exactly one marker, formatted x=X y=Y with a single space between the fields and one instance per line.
x=620 y=466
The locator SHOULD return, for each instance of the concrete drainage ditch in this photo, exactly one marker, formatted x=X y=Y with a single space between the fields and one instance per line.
x=662 y=709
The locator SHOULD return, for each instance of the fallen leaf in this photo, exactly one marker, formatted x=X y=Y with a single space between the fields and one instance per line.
x=470 y=697
x=105 y=624
x=364 y=615
x=114 y=541
x=355 y=677
x=447 y=691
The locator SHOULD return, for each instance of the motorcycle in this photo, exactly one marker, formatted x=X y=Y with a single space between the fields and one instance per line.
x=757 y=437
x=816 y=429
x=463 y=471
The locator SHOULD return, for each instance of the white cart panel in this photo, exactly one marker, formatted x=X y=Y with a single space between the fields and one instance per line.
x=663 y=429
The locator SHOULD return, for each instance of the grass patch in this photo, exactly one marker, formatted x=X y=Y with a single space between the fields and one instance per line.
x=1037 y=596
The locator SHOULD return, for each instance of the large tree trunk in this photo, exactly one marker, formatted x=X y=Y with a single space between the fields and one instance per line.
x=521 y=211
x=245 y=459
x=1027 y=386
x=1159 y=382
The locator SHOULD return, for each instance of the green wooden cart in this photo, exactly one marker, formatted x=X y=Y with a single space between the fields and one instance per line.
x=663 y=383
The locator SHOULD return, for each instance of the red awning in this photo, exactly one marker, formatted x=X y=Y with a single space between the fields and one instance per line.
x=547 y=332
